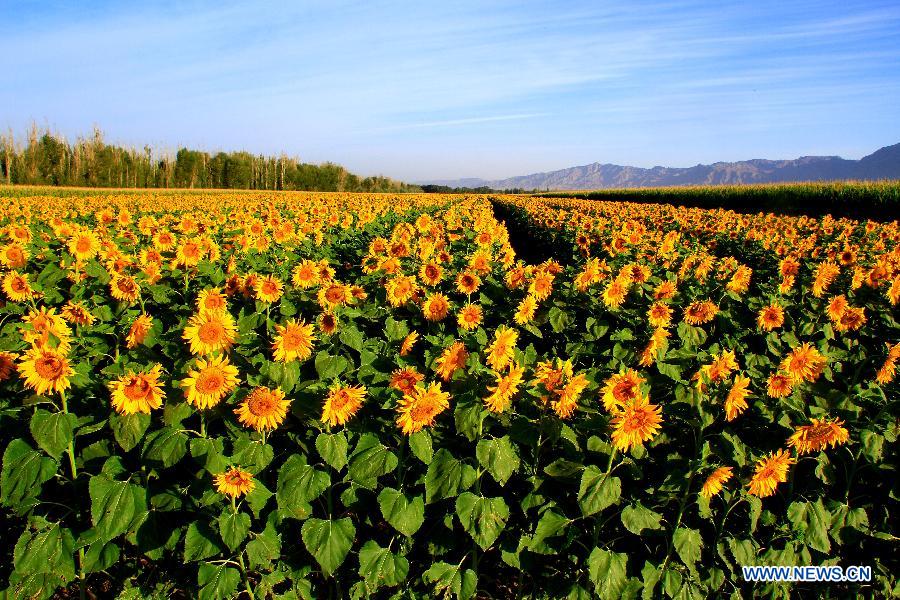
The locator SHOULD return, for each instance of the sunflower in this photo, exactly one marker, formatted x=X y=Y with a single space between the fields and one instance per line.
x=294 y=341
x=804 y=363
x=46 y=370
x=615 y=293
x=137 y=392
x=500 y=350
x=16 y=287
x=263 y=409
x=780 y=385
x=405 y=379
x=421 y=406
x=770 y=317
x=468 y=283
x=436 y=307
x=342 y=403
x=770 y=471
x=525 y=311
x=46 y=328
x=212 y=300
x=721 y=367
x=740 y=281
x=716 y=480
x=469 y=317
x=698 y=313
x=825 y=275
x=328 y=323
x=736 y=401
x=7 y=365
x=567 y=397
x=189 y=253
x=408 y=342
x=138 y=331
x=888 y=370
x=13 y=256
x=637 y=422
x=620 y=389
x=209 y=332
x=893 y=292
x=541 y=285
x=836 y=307
x=124 y=288
x=659 y=315
x=431 y=274
x=268 y=289
x=334 y=294
x=164 y=240
x=665 y=290
x=306 y=274
x=400 y=290
x=210 y=381
x=852 y=319
x=234 y=482
x=84 y=245
x=451 y=360
x=77 y=313
x=818 y=435
x=507 y=386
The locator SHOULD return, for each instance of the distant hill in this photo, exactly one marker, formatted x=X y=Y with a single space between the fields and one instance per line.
x=882 y=164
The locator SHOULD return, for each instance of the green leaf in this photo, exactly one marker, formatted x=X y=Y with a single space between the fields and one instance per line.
x=872 y=444
x=252 y=454
x=689 y=545
x=201 y=542
x=638 y=517
x=328 y=541
x=446 y=477
x=550 y=525
x=49 y=549
x=607 y=572
x=217 y=582
x=403 y=513
x=264 y=548
x=420 y=444
x=395 y=330
x=233 y=527
x=452 y=579
x=499 y=457
x=332 y=448
x=116 y=506
x=812 y=520
x=53 y=431
x=370 y=460
x=167 y=445
x=352 y=338
x=298 y=485
x=330 y=367
x=597 y=491
x=129 y=430
x=482 y=518
x=24 y=472
x=380 y=567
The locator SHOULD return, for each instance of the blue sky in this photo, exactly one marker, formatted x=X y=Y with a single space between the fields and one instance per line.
x=462 y=89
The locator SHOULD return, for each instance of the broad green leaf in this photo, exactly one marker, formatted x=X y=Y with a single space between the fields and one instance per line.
x=264 y=548
x=607 y=572
x=24 y=472
x=370 y=460
x=597 y=491
x=53 y=431
x=637 y=517
x=451 y=579
x=167 y=445
x=689 y=545
x=116 y=506
x=332 y=448
x=233 y=527
x=201 y=542
x=421 y=446
x=328 y=541
x=446 y=477
x=559 y=319
x=482 y=518
x=812 y=520
x=549 y=525
x=252 y=455
x=298 y=485
x=380 y=567
x=351 y=337
x=499 y=457
x=395 y=330
x=329 y=366
x=129 y=430
x=48 y=549
x=217 y=582
x=402 y=513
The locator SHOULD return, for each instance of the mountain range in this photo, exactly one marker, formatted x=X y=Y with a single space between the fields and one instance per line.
x=881 y=164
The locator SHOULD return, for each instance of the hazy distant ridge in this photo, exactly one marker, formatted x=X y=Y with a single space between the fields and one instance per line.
x=881 y=164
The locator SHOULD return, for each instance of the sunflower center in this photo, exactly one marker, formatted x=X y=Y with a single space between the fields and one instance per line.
x=261 y=405
x=211 y=381
x=18 y=285
x=424 y=410
x=334 y=294
x=137 y=388
x=234 y=478
x=49 y=367
x=83 y=245
x=211 y=332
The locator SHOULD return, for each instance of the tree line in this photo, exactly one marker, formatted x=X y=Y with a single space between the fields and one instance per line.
x=45 y=158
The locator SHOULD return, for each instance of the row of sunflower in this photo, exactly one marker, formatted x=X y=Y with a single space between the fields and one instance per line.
x=299 y=395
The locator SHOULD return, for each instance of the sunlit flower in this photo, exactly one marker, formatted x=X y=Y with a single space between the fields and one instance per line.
x=770 y=471
x=421 y=406
x=293 y=341
x=716 y=480
x=209 y=381
x=342 y=403
x=140 y=392
x=637 y=422
x=818 y=435
x=234 y=482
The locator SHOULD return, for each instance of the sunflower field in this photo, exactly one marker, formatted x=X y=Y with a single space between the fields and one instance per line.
x=293 y=395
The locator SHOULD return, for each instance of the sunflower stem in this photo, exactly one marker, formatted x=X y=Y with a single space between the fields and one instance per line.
x=71 y=448
x=244 y=576
x=202 y=423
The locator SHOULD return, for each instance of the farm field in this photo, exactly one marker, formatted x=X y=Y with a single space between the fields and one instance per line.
x=252 y=394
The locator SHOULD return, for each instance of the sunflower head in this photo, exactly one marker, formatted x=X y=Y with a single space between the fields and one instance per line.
x=234 y=482
x=263 y=409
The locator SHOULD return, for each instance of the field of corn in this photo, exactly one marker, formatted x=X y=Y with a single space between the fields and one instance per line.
x=289 y=395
